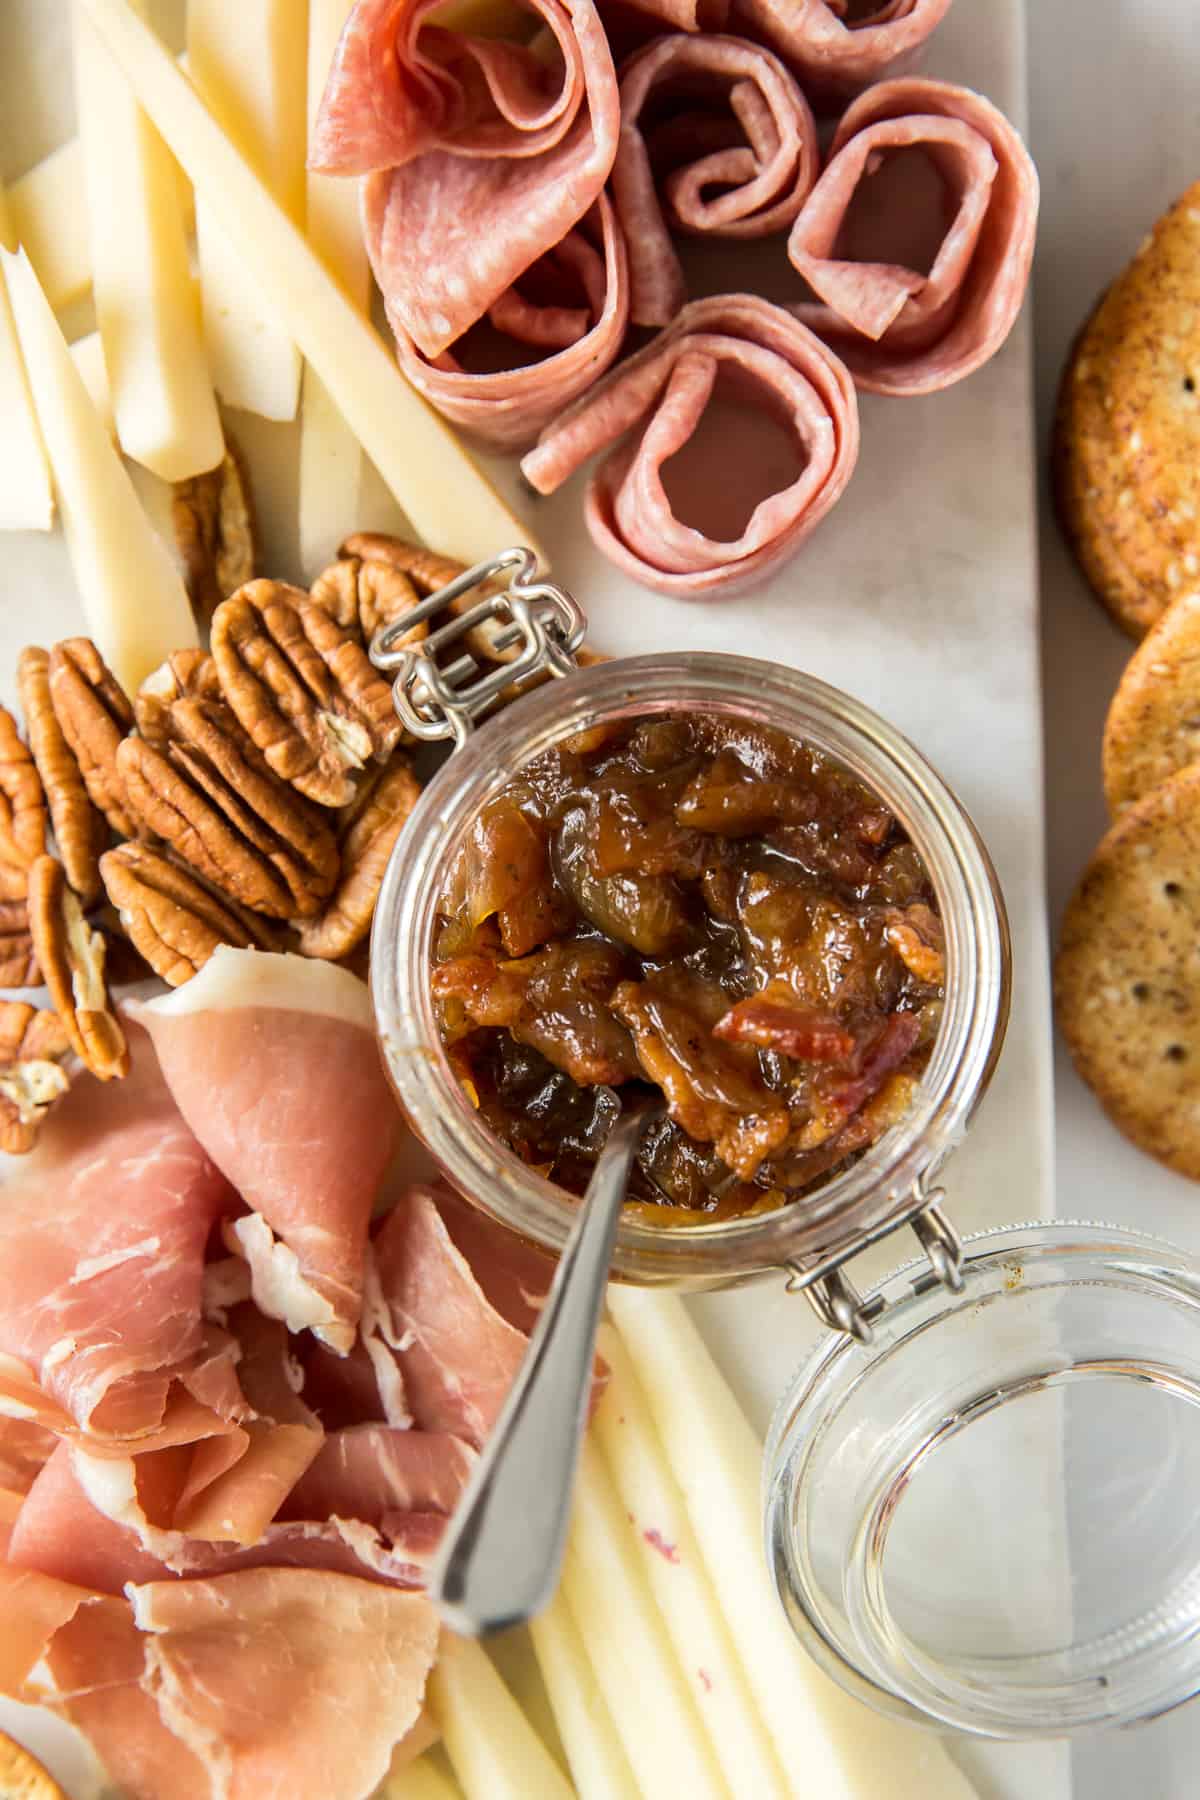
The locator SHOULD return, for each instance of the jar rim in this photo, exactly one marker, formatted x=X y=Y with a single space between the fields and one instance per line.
x=886 y=1179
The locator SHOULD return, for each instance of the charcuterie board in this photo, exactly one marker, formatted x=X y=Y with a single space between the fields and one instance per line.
x=918 y=596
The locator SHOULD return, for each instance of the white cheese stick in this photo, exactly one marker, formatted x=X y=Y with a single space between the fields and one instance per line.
x=599 y=1766
x=162 y=396
x=26 y=496
x=133 y=598
x=87 y=353
x=330 y=459
x=831 y=1746
x=610 y=1601
x=247 y=60
x=685 y=1596
x=52 y=225
x=449 y=501
x=418 y=1780
x=495 y=1752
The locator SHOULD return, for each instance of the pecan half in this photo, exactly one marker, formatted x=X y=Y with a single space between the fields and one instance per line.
x=22 y=811
x=71 y=954
x=185 y=672
x=373 y=825
x=80 y=832
x=303 y=689
x=216 y=532
x=33 y=1048
x=172 y=918
x=426 y=569
x=364 y=596
x=94 y=714
x=211 y=799
x=18 y=960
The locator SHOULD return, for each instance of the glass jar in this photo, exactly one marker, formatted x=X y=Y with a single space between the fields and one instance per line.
x=892 y=1183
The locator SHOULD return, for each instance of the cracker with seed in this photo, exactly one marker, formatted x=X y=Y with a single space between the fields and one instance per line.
x=1127 y=435
x=22 y=1776
x=1153 y=725
x=1127 y=976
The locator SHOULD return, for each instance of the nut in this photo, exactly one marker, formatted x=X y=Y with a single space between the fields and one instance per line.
x=22 y=811
x=364 y=596
x=216 y=532
x=425 y=568
x=71 y=955
x=172 y=918
x=18 y=961
x=79 y=830
x=374 y=824
x=303 y=689
x=185 y=672
x=209 y=796
x=94 y=715
x=33 y=1047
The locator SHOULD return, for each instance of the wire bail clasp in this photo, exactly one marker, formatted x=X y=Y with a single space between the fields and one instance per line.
x=529 y=627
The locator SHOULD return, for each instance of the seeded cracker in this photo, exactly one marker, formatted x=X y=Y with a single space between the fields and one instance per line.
x=1127 y=978
x=22 y=1777
x=1153 y=725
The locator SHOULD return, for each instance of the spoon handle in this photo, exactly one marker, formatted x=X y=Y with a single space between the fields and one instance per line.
x=500 y=1557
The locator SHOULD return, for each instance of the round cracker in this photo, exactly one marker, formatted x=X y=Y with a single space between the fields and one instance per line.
x=22 y=1776
x=1153 y=725
x=1127 y=976
x=1127 y=434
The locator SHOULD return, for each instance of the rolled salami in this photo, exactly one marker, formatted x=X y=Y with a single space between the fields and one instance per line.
x=836 y=47
x=716 y=140
x=654 y=403
x=901 y=331
x=573 y=304
x=480 y=153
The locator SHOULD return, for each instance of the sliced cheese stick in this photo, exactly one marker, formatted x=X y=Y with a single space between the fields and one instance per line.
x=449 y=501
x=26 y=496
x=162 y=396
x=831 y=1746
x=133 y=598
x=419 y=1780
x=330 y=459
x=495 y=1752
x=599 y=1766
x=686 y=1597
x=87 y=353
x=610 y=1601
x=247 y=61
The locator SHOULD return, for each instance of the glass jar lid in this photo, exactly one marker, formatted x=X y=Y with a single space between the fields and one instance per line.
x=985 y=1519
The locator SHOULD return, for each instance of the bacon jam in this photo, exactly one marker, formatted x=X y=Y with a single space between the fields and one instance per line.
x=707 y=907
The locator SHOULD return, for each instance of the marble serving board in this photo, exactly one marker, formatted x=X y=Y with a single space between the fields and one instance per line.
x=918 y=595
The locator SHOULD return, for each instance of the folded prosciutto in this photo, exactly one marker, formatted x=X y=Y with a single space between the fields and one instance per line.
x=272 y=1061
x=903 y=329
x=649 y=408
x=716 y=140
x=544 y=342
x=481 y=153
x=839 y=46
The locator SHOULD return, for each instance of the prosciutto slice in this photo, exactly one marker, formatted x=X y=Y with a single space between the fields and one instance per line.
x=716 y=140
x=659 y=397
x=102 y=1238
x=899 y=330
x=837 y=47
x=552 y=335
x=272 y=1062
x=481 y=154
x=376 y=1473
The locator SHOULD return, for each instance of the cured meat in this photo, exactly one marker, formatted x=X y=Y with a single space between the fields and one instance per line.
x=459 y=1355
x=253 y=1048
x=837 y=46
x=716 y=140
x=899 y=330
x=481 y=154
x=573 y=303
x=102 y=1237
x=659 y=397
x=375 y=1473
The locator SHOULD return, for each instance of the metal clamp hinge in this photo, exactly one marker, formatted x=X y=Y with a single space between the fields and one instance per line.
x=531 y=627
x=834 y=1297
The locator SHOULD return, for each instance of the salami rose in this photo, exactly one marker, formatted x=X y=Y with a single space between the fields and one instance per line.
x=837 y=48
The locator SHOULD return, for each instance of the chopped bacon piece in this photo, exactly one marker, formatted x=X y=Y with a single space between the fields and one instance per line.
x=793 y=1030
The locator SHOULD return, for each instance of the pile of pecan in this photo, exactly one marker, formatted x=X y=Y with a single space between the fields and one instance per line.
x=249 y=794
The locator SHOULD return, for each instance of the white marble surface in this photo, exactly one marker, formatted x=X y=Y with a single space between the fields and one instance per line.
x=1115 y=122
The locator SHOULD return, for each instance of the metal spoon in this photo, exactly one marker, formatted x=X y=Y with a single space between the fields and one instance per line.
x=499 y=1560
